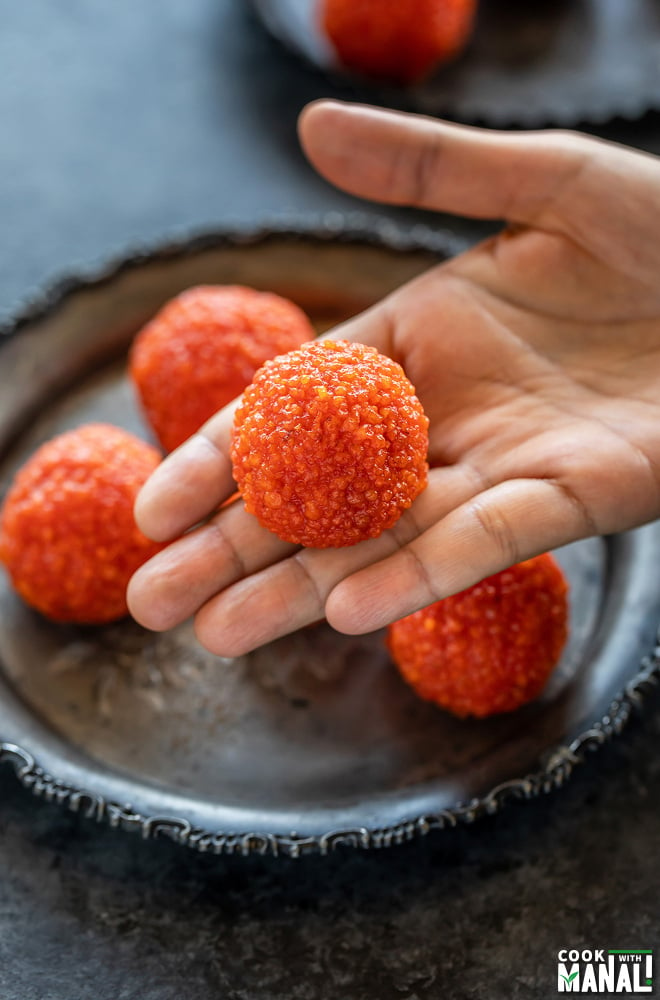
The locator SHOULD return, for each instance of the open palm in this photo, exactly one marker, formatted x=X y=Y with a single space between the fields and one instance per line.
x=536 y=356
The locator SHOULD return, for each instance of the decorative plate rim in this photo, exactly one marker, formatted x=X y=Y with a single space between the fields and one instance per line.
x=334 y=226
x=555 y=765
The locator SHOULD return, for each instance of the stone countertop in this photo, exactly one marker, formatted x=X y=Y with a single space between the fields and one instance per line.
x=123 y=125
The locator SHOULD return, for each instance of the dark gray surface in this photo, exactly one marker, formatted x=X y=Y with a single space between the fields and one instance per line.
x=123 y=123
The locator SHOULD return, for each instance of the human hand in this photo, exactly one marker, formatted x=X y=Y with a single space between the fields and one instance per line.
x=536 y=355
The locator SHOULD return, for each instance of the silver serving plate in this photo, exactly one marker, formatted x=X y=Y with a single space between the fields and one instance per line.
x=313 y=740
x=560 y=62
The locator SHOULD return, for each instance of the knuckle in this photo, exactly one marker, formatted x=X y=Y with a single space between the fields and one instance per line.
x=228 y=553
x=414 y=173
x=498 y=530
x=425 y=588
x=316 y=594
x=424 y=172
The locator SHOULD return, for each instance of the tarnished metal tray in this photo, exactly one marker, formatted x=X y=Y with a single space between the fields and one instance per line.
x=559 y=62
x=311 y=741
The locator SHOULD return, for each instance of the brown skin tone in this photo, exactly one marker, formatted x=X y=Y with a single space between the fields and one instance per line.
x=536 y=356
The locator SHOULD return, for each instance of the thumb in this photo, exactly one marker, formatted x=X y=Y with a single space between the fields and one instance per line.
x=406 y=159
x=603 y=196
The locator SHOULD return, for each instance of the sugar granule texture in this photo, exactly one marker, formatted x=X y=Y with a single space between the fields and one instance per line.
x=329 y=444
x=491 y=648
x=397 y=40
x=68 y=538
x=202 y=349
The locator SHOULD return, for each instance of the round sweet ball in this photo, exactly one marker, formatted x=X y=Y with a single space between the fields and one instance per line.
x=202 y=349
x=400 y=41
x=329 y=444
x=491 y=648
x=68 y=538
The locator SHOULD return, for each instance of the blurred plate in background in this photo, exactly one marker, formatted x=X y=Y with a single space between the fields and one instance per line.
x=550 y=62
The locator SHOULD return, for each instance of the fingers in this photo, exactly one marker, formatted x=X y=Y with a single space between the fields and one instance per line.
x=292 y=593
x=190 y=483
x=172 y=586
x=602 y=195
x=411 y=160
x=508 y=523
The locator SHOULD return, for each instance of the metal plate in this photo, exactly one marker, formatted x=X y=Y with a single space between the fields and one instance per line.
x=558 y=62
x=312 y=740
